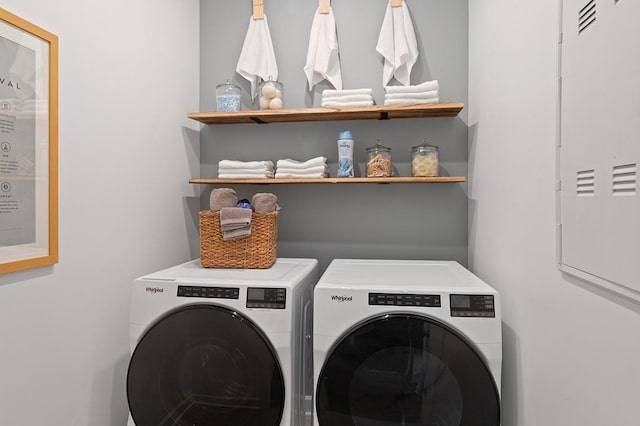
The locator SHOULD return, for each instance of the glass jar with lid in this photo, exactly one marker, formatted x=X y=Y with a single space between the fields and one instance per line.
x=378 y=161
x=424 y=160
x=228 y=97
x=271 y=95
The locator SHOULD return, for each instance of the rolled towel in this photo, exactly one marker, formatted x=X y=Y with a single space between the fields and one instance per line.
x=235 y=164
x=422 y=87
x=416 y=95
x=347 y=92
x=331 y=104
x=235 y=222
x=301 y=175
x=264 y=202
x=288 y=163
x=411 y=101
x=244 y=171
x=244 y=176
x=221 y=198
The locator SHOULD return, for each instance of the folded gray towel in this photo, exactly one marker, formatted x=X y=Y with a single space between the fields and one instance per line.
x=235 y=222
x=264 y=202
x=222 y=197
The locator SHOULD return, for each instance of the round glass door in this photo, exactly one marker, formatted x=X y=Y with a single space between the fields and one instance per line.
x=205 y=365
x=405 y=370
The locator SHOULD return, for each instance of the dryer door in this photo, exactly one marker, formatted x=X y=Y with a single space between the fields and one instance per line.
x=205 y=365
x=405 y=370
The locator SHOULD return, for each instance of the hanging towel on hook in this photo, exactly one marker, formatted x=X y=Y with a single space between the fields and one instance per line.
x=257 y=58
x=323 y=55
x=397 y=44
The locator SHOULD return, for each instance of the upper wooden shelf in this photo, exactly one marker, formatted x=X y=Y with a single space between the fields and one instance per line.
x=375 y=112
x=329 y=180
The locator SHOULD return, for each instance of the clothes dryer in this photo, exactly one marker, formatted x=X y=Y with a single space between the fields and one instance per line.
x=405 y=343
x=221 y=346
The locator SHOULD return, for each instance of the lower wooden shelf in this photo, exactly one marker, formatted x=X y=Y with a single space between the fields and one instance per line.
x=289 y=181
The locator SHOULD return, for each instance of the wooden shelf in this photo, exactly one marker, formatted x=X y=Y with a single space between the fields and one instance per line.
x=376 y=112
x=288 y=181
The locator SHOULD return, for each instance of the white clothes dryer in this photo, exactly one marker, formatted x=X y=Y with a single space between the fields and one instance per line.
x=222 y=346
x=405 y=343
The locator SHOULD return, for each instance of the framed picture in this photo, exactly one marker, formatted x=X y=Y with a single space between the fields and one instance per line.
x=28 y=145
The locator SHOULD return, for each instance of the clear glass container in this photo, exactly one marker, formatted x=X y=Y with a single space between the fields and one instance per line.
x=378 y=161
x=228 y=97
x=271 y=95
x=424 y=160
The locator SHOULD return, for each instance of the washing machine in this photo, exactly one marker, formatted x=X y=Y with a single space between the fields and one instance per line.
x=222 y=346
x=405 y=343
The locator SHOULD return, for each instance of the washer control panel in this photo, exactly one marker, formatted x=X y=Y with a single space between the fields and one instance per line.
x=472 y=305
x=267 y=298
x=209 y=292
x=403 y=299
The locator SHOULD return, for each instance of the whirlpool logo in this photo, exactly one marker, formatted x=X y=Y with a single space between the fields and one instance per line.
x=341 y=299
x=154 y=290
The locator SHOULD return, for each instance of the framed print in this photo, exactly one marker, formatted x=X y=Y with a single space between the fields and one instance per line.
x=28 y=145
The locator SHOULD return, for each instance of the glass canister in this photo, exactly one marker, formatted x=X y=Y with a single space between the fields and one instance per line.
x=378 y=161
x=424 y=160
x=271 y=95
x=228 y=97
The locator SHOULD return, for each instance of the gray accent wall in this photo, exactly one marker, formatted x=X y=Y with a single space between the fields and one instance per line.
x=397 y=221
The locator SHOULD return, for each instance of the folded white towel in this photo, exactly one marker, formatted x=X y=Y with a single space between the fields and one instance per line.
x=236 y=164
x=244 y=171
x=331 y=104
x=422 y=87
x=323 y=55
x=301 y=175
x=308 y=171
x=244 y=176
x=397 y=44
x=416 y=95
x=346 y=92
x=295 y=164
x=411 y=101
x=257 y=58
x=348 y=98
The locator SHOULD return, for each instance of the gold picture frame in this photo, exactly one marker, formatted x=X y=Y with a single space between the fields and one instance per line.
x=28 y=145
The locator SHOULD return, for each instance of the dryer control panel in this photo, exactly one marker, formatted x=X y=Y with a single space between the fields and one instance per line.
x=268 y=298
x=209 y=292
x=395 y=299
x=472 y=305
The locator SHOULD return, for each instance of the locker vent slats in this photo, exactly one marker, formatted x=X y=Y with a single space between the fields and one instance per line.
x=624 y=179
x=586 y=16
x=586 y=183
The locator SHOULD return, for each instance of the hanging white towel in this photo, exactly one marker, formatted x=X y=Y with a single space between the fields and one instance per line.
x=323 y=55
x=257 y=58
x=397 y=44
x=422 y=87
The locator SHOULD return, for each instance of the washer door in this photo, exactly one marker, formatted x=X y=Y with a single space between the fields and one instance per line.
x=205 y=365
x=405 y=370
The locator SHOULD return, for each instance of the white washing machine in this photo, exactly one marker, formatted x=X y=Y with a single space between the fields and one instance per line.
x=222 y=346
x=405 y=343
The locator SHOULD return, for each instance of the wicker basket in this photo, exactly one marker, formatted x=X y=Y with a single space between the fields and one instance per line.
x=256 y=251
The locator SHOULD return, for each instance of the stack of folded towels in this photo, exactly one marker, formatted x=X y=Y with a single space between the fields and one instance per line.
x=232 y=169
x=424 y=93
x=347 y=98
x=235 y=216
x=313 y=168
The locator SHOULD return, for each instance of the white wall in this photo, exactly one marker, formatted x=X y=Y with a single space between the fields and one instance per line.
x=571 y=351
x=128 y=76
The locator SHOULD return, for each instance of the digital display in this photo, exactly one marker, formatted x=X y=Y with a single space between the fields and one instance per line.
x=459 y=301
x=255 y=293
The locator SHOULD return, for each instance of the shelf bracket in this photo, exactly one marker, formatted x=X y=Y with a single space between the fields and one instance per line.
x=258 y=120
x=384 y=115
